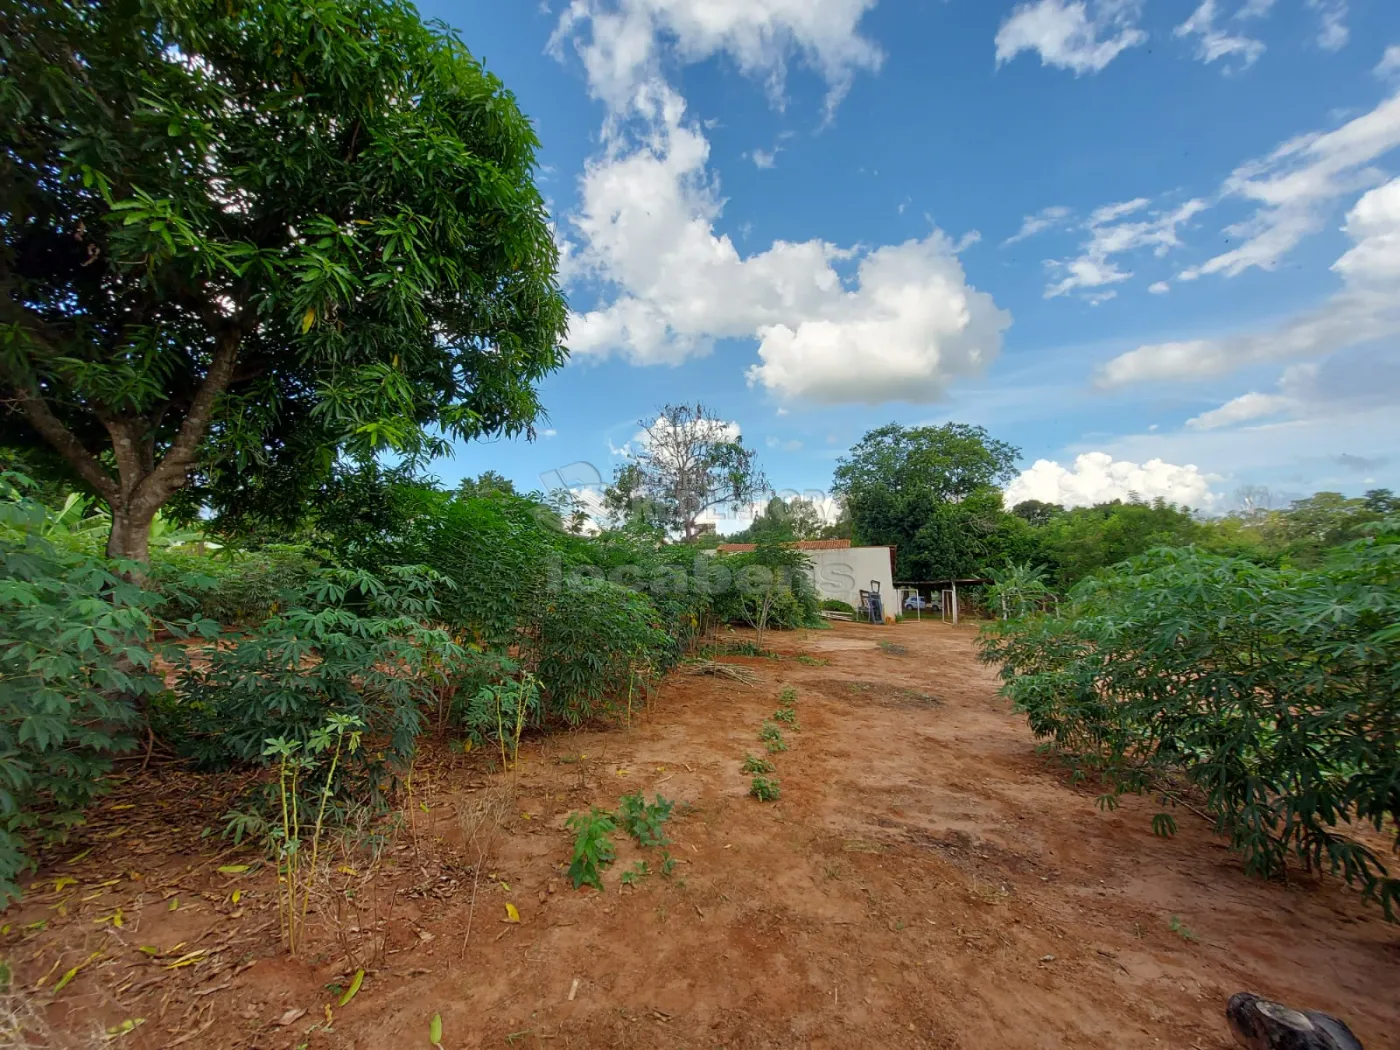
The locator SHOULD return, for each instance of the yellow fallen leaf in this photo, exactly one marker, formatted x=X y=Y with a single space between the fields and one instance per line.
x=148 y=949
x=121 y=806
x=435 y=1030
x=174 y=903
x=237 y=896
x=115 y=919
x=354 y=988
x=188 y=959
x=63 y=981
x=345 y=869
x=233 y=869
x=466 y=746
x=62 y=881
x=125 y=1028
x=512 y=913
x=328 y=1015
x=80 y=856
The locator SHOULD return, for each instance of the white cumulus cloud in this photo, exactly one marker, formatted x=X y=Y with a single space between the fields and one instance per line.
x=1214 y=43
x=1240 y=410
x=1097 y=477
x=1295 y=185
x=1389 y=65
x=1332 y=31
x=1367 y=309
x=622 y=42
x=1110 y=235
x=901 y=329
x=1045 y=219
x=909 y=325
x=1077 y=36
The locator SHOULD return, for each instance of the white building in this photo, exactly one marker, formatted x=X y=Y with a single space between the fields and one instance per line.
x=841 y=571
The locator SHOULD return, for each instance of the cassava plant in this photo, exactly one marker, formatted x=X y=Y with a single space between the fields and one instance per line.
x=1271 y=695
x=295 y=762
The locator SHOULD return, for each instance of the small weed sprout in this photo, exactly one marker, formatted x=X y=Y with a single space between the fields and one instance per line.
x=786 y=715
x=772 y=738
x=1180 y=929
x=642 y=819
x=668 y=864
x=895 y=649
x=765 y=789
x=636 y=873
x=811 y=661
x=593 y=850
x=756 y=765
x=788 y=696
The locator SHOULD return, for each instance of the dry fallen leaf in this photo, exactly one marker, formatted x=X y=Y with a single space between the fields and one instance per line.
x=291 y=1017
x=512 y=913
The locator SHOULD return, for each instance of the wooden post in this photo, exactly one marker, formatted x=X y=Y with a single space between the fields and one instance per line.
x=955 y=603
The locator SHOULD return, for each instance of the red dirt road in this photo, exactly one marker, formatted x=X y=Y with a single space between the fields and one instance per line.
x=926 y=880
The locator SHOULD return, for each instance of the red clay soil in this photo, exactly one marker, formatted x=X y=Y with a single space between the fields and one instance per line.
x=926 y=880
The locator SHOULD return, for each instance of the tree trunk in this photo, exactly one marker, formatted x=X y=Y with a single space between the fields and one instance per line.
x=130 y=538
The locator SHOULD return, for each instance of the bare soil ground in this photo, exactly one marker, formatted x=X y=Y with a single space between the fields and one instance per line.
x=926 y=880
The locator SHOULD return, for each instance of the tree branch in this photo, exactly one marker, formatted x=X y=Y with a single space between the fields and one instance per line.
x=179 y=459
x=66 y=443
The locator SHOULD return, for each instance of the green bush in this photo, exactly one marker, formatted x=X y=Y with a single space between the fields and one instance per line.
x=594 y=647
x=350 y=643
x=836 y=605
x=1274 y=694
x=75 y=661
x=231 y=587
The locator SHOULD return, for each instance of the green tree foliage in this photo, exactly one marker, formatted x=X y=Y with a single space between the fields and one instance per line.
x=686 y=461
x=1302 y=534
x=1273 y=693
x=899 y=482
x=784 y=521
x=235 y=237
x=1084 y=540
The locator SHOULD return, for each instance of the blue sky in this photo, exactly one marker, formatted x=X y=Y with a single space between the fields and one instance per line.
x=1155 y=244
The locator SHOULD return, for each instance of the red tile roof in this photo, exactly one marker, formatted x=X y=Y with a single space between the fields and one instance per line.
x=802 y=545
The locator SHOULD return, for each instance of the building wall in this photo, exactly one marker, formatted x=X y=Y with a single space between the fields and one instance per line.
x=842 y=574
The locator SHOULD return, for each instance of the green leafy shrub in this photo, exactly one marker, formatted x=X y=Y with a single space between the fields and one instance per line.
x=231 y=587
x=836 y=605
x=76 y=658
x=352 y=643
x=765 y=789
x=643 y=820
x=786 y=715
x=595 y=645
x=756 y=765
x=788 y=696
x=593 y=850
x=772 y=738
x=1274 y=694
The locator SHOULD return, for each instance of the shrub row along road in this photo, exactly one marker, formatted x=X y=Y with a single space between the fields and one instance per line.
x=925 y=880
